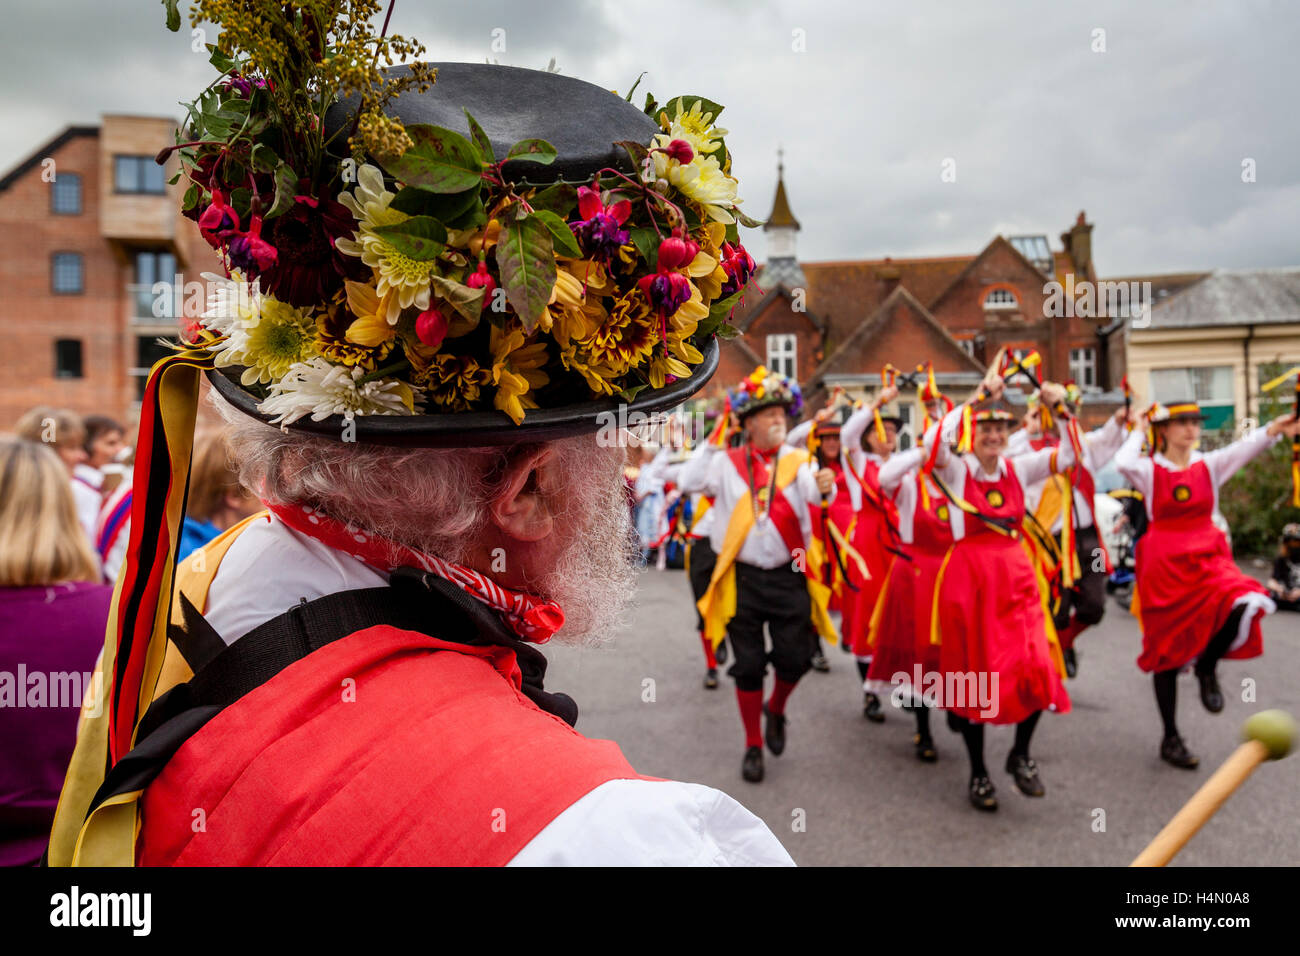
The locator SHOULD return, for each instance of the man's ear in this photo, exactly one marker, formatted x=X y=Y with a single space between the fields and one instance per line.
x=519 y=509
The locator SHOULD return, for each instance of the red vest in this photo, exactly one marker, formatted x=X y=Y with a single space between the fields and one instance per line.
x=387 y=747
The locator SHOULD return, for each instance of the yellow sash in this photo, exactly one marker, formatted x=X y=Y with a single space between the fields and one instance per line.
x=718 y=606
x=108 y=837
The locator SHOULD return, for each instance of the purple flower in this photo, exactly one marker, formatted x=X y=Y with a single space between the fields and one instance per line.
x=600 y=228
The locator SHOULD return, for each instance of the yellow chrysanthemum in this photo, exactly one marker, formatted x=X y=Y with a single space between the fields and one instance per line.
x=452 y=381
x=696 y=127
x=334 y=340
x=628 y=336
x=370 y=326
x=282 y=337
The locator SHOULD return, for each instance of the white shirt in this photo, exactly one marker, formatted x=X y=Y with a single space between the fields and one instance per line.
x=86 y=482
x=270 y=567
x=710 y=471
x=953 y=469
x=1099 y=447
x=895 y=483
x=1222 y=464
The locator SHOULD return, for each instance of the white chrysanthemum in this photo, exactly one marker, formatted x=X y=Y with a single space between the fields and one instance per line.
x=369 y=203
x=319 y=389
x=234 y=308
x=696 y=127
x=702 y=180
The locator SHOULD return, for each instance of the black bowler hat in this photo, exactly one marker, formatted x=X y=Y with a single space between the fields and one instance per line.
x=600 y=210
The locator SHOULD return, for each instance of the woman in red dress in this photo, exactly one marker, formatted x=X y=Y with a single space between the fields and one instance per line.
x=1192 y=601
x=875 y=526
x=997 y=656
x=900 y=629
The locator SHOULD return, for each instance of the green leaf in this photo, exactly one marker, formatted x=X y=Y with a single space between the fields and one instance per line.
x=562 y=238
x=526 y=262
x=726 y=331
x=480 y=139
x=651 y=106
x=719 y=312
x=262 y=159
x=286 y=187
x=219 y=60
x=748 y=221
x=472 y=218
x=417 y=201
x=173 y=14
x=533 y=150
x=646 y=241
x=441 y=161
x=466 y=301
x=191 y=198
x=706 y=106
x=421 y=237
x=631 y=392
x=561 y=198
x=637 y=152
x=175 y=179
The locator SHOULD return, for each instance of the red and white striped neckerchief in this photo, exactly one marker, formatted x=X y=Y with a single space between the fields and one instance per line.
x=531 y=618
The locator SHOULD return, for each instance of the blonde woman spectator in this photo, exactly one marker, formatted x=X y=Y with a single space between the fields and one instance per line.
x=53 y=610
x=64 y=432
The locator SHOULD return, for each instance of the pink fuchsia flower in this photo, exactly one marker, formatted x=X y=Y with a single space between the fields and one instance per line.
x=600 y=230
x=249 y=252
x=218 y=221
x=738 y=265
x=480 y=278
x=431 y=327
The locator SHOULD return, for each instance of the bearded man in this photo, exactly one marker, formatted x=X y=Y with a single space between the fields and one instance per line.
x=352 y=677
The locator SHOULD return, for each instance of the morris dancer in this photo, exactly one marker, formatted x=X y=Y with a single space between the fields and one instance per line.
x=1193 y=603
x=989 y=617
x=1083 y=602
x=762 y=493
x=869 y=437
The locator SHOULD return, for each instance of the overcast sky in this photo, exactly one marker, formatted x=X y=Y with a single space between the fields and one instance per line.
x=1149 y=136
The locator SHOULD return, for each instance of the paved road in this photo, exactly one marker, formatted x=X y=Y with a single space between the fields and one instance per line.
x=865 y=799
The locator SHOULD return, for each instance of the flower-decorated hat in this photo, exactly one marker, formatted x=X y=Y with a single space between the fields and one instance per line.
x=450 y=253
x=992 y=410
x=763 y=389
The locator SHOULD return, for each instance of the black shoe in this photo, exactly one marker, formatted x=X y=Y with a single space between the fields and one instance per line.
x=954 y=722
x=1211 y=696
x=925 y=751
x=844 y=646
x=982 y=794
x=1174 y=751
x=752 y=767
x=820 y=663
x=1023 y=768
x=775 y=733
x=720 y=654
x=711 y=679
x=871 y=708
x=1071 y=663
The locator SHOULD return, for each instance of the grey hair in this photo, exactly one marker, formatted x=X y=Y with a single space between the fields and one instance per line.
x=438 y=502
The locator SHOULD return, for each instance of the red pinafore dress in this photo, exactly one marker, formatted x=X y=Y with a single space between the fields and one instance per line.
x=900 y=628
x=840 y=512
x=1187 y=581
x=994 y=652
x=873 y=535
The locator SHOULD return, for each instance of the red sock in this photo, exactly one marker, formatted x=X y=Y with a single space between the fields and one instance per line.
x=1068 y=633
x=751 y=714
x=708 y=652
x=780 y=694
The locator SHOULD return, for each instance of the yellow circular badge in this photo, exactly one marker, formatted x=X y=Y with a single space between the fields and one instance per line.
x=1182 y=492
x=995 y=498
x=942 y=512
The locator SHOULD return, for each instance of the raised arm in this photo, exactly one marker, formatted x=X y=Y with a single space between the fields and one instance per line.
x=702 y=471
x=1226 y=462
x=1105 y=442
x=1136 y=467
x=899 y=466
x=853 y=430
x=797 y=437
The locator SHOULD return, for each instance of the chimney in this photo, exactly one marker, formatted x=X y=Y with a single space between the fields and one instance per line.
x=1078 y=246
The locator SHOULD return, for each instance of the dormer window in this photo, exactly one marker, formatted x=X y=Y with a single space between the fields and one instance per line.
x=1000 y=300
x=781 y=354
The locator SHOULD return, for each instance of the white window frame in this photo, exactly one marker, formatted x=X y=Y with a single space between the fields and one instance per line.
x=967 y=346
x=783 y=353
x=1083 y=366
x=1008 y=304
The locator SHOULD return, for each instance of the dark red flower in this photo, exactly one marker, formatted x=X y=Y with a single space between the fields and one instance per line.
x=679 y=150
x=738 y=265
x=310 y=269
x=480 y=278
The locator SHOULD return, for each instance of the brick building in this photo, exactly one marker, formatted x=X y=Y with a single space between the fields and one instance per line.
x=838 y=323
x=88 y=225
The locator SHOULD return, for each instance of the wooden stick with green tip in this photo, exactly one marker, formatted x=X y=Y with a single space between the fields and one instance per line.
x=1267 y=735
